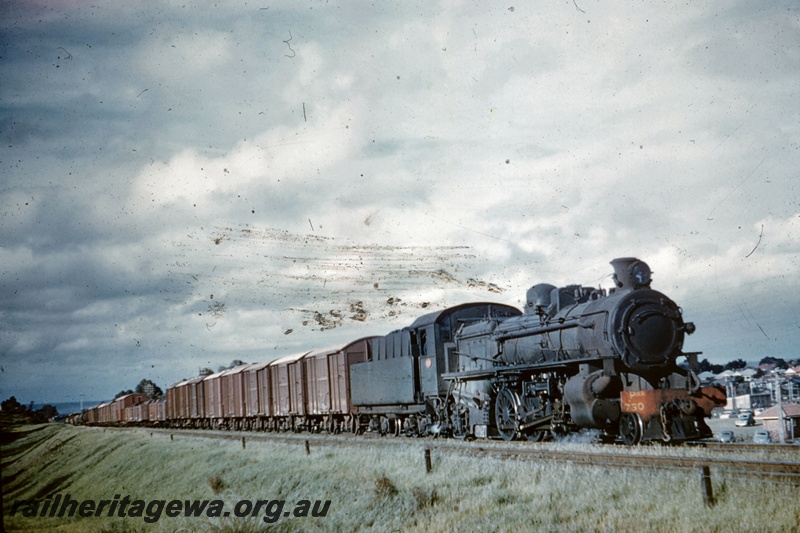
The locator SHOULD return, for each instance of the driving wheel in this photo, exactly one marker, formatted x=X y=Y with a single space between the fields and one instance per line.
x=506 y=413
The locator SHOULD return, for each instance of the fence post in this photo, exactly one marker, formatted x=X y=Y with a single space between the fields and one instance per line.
x=705 y=481
x=428 y=466
x=308 y=448
x=243 y=444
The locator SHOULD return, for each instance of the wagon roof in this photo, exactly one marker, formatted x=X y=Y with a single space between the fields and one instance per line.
x=128 y=395
x=258 y=366
x=338 y=347
x=436 y=316
x=289 y=358
x=178 y=384
x=324 y=351
x=237 y=369
x=215 y=375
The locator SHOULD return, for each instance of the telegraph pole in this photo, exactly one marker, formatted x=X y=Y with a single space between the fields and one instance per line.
x=778 y=395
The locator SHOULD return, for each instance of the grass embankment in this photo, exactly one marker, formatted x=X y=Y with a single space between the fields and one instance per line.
x=381 y=488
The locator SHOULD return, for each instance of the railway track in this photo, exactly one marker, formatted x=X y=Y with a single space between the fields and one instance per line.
x=741 y=446
x=782 y=470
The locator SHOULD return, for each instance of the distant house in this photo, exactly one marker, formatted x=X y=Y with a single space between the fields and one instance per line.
x=754 y=400
x=747 y=373
x=726 y=375
x=707 y=377
x=791 y=419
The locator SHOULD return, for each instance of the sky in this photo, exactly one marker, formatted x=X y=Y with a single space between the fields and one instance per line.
x=188 y=183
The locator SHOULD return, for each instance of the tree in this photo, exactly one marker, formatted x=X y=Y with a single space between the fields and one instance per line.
x=777 y=361
x=26 y=414
x=149 y=388
x=736 y=364
x=123 y=393
x=705 y=366
x=12 y=406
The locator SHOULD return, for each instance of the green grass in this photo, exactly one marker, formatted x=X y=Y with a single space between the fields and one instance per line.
x=380 y=488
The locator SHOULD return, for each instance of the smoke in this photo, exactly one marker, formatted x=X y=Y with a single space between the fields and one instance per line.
x=584 y=436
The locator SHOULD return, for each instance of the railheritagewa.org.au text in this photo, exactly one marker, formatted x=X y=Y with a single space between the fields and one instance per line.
x=151 y=511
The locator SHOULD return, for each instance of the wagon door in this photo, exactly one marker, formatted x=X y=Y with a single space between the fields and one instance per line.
x=296 y=388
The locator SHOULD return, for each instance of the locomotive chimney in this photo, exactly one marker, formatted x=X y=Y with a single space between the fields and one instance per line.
x=630 y=273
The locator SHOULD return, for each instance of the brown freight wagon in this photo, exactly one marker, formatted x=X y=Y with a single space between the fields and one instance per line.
x=175 y=410
x=170 y=400
x=157 y=411
x=266 y=407
x=226 y=407
x=318 y=383
x=288 y=394
x=133 y=398
x=93 y=415
x=234 y=390
x=136 y=414
x=212 y=399
x=122 y=407
x=182 y=398
x=104 y=413
x=257 y=396
x=182 y=402
x=117 y=413
x=195 y=403
x=141 y=412
x=113 y=415
x=185 y=403
x=327 y=383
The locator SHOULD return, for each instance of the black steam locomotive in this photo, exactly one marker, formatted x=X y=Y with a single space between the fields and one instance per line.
x=576 y=358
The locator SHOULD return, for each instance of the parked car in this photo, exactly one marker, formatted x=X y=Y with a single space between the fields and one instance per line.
x=762 y=437
x=745 y=419
x=726 y=436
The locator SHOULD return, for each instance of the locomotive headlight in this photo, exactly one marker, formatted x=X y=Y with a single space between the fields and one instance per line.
x=630 y=273
x=640 y=273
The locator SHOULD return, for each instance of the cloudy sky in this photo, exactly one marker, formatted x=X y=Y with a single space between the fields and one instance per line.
x=188 y=183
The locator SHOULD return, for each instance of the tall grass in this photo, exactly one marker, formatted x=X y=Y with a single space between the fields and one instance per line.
x=381 y=488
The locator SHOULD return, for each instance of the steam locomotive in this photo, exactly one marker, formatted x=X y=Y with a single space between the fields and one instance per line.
x=581 y=357
x=576 y=358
